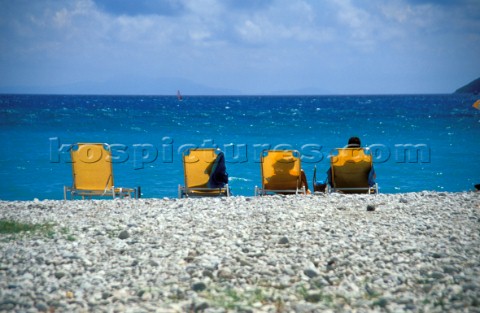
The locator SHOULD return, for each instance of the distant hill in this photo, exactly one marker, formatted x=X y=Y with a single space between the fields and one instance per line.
x=472 y=87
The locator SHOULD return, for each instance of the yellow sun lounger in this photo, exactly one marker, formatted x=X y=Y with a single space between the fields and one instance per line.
x=351 y=168
x=93 y=173
x=281 y=172
x=198 y=166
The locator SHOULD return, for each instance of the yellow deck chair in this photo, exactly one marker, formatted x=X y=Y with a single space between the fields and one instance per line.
x=93 y=173
x=197 y=167
x=281 y=170
x=350 y=170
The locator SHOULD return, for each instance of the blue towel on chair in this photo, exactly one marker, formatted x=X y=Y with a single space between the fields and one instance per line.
x=219 y=175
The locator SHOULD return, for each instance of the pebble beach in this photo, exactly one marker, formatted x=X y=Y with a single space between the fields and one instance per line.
x=412 y=252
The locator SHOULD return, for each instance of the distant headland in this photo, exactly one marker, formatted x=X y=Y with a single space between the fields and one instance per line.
x=472 y=87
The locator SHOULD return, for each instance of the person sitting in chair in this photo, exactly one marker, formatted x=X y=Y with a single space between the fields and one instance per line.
x=353 y=142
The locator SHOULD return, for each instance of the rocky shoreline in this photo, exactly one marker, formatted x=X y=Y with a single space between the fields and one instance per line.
x=415 y=252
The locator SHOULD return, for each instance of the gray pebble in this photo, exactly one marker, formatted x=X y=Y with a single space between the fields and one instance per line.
x=283 y=241
x=311 y=273
x=59 y=275
x=41 y=306
x=124 y=235
x=199 y=286
x=265 y=254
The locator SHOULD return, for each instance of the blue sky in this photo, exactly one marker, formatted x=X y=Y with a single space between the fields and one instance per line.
x=238 y=46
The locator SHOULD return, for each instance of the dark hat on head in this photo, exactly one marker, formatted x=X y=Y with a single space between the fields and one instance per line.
x=354 y=142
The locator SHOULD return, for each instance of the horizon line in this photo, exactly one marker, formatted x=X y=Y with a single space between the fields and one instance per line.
x=174 y=95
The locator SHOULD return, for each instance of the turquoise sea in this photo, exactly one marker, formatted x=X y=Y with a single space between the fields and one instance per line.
x=420 y=142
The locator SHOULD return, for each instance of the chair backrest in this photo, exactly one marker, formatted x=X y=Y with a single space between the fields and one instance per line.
x=350 y=168
x=197 y=166
x=280 y=169
x=92 y=166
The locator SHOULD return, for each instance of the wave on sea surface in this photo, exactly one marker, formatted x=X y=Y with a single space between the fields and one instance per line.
x=443 y=127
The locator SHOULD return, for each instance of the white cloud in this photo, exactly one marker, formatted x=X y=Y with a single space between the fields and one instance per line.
x=204 y=8
x=252 y=45
x=251 y=32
